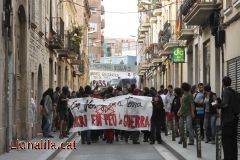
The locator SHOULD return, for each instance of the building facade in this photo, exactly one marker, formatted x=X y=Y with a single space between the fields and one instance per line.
x=95 y=35
x=119 y=47
x=42 y=50
x=156 y=39
x=207 y=32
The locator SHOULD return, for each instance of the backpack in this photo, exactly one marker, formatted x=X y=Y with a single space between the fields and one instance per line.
x=199 y=110
x=235 y=102
x=42 y=102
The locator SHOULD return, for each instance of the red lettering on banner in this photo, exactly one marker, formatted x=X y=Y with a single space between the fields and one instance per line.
x=80 y=122
x=125 y=120
x=96 y=120
x=99 y=120
x=137 y=122
x=85 y=121
x=109 y=120
x=106 y=118
x=130 y=121
x=93 y=116
x=114 y=118
x=142 y=121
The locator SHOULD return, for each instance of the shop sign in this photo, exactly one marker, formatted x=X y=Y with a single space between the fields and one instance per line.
x=178 y=55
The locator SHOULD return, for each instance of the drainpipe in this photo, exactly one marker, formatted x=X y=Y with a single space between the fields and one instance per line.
x=8 y=71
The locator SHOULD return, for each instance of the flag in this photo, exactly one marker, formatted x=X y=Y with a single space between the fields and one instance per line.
x=178 y=26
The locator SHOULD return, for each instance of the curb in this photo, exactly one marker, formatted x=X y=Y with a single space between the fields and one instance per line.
x=54 y=154
x=173 y=151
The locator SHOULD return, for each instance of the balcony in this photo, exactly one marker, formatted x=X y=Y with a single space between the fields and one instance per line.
x=146 y=22
x=145 y=2
x=186 y=33
x=141 y=36
x=144 y=66
x=56 y=36
x=236 y=4
x=153 y=20
x=143 y=30
x=164 y=53
x=140 y=41
x=170 y=44
x=72 y=50
x=196 y=12
x=156 y=58
x=157 y=12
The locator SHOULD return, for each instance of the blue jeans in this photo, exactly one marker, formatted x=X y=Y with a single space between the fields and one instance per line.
x=47 y=126
x=189 y=128
x=210 y=126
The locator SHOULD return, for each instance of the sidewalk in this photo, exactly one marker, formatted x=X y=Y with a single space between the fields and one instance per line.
x=42 y=154
x=190 y=153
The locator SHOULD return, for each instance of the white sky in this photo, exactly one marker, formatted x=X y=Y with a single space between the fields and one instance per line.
x=120 y=25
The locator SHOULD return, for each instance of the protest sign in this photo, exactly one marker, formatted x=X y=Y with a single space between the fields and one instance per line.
x=122 y=112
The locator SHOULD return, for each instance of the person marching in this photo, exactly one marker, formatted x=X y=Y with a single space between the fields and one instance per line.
x=157 y=120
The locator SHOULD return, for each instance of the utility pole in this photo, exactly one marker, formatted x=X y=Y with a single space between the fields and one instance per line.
x=8 y=70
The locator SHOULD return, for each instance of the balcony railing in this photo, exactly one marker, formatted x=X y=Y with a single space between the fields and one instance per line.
x=186 y=32
x=168 y=32
x=197 y=12
x=56 y=38
x=72 y=50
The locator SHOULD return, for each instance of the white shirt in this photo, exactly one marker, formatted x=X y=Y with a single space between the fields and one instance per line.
x=168 y=102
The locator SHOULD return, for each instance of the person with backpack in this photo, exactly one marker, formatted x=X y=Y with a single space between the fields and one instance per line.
x=199 y=107
x=230 y=107
x=210 y=116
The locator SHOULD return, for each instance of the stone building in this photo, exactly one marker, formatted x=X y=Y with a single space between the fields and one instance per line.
x=42 y=48
x=156 y=39
x=96 y=25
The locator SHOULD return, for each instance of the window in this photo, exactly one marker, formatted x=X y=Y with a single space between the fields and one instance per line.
x=228 y=3
x=93 y=10
x=206 y=63
x=92 y=27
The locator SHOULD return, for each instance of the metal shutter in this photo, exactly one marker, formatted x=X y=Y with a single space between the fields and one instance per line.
x=238 y=89
x=233 y=71
x=238 y=75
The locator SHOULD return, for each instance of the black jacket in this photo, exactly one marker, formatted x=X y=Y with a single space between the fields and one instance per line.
x=227 y=112
x=158 y=111
x=176 y=104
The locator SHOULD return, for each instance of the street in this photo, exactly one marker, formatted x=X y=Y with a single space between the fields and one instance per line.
x=120 y=151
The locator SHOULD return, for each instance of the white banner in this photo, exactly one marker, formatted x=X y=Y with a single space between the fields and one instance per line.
x=123 y=113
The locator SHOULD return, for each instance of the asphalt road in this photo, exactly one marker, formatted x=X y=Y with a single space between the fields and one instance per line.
x=118 y=151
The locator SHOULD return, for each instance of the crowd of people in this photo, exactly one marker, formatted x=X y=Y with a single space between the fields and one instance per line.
x=189 y=103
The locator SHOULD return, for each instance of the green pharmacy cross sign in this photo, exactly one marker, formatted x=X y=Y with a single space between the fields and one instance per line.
x=178 y=55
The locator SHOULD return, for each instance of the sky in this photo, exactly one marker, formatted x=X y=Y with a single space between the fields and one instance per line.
x=121 y=25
